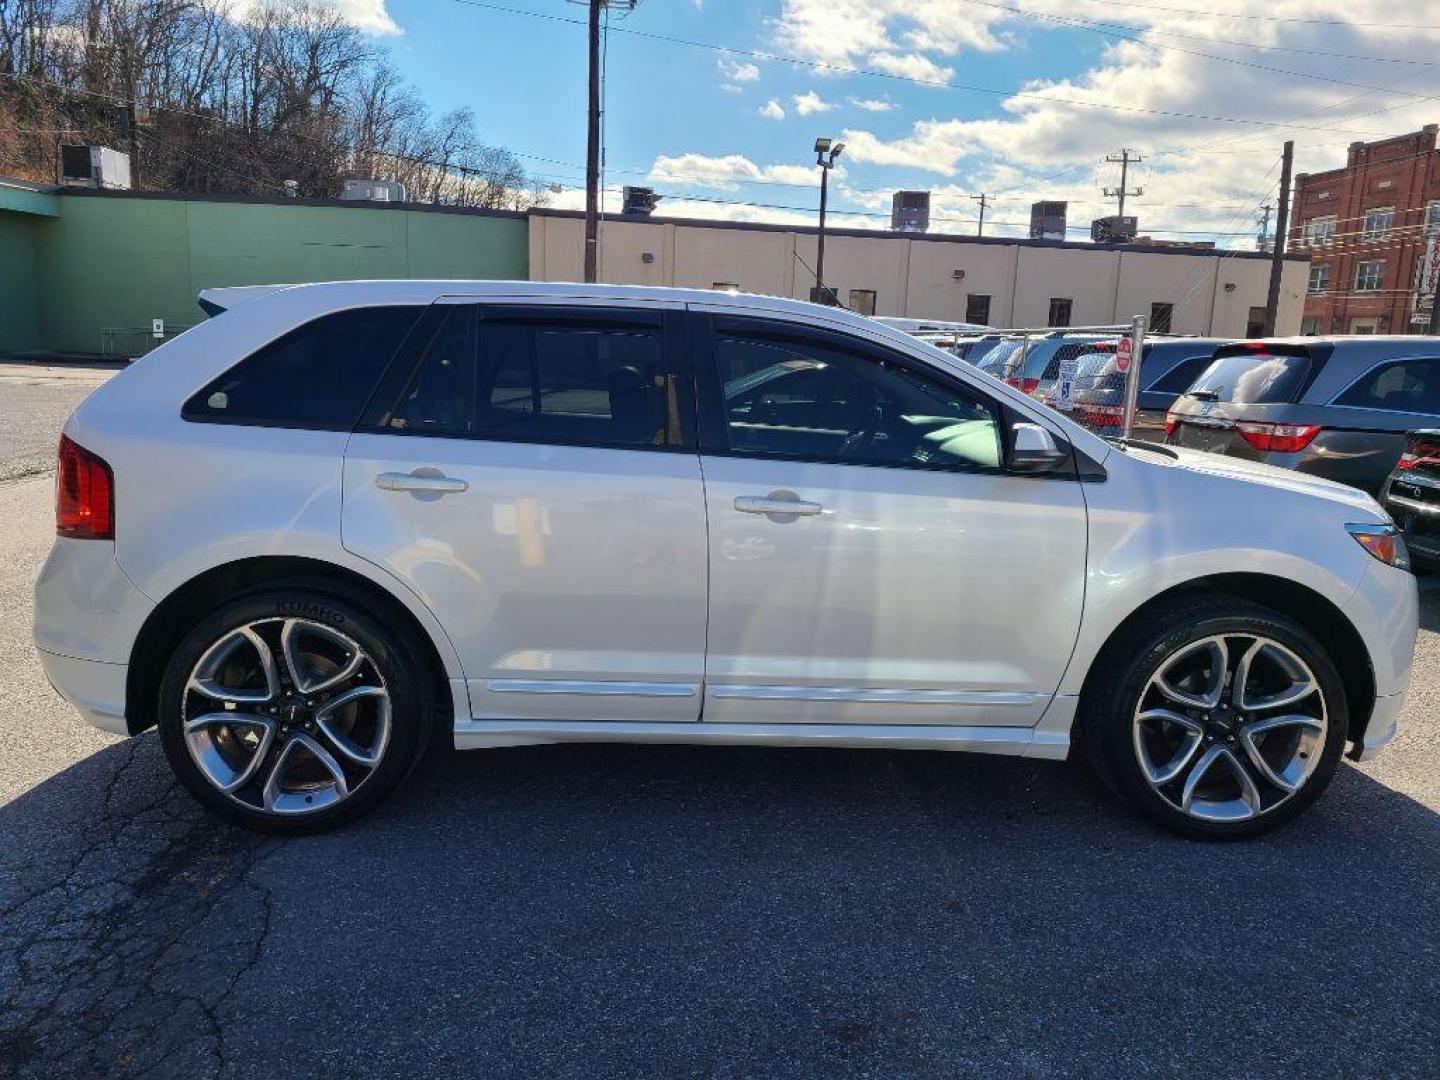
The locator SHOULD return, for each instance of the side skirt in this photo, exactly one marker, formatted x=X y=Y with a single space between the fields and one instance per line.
x=1044 y=741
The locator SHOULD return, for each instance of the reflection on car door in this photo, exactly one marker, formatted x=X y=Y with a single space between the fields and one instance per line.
x=529 y=472
x=870 y=559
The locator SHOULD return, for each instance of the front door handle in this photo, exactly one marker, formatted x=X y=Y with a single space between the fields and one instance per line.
x=430 y=481
x=784 y=503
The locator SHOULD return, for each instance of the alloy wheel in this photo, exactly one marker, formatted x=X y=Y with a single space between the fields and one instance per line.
x=286 y=715
x=1229 y=727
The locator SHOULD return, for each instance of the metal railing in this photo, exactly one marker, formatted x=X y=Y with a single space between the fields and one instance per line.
x=129 y=342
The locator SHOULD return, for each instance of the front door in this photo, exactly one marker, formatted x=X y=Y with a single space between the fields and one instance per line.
x=871 y=561
x=527 y=472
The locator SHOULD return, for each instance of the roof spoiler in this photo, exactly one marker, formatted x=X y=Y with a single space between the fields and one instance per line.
x=215 y=301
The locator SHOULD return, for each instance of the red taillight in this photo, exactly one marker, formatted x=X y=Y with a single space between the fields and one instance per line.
x=1277 y=438
x=1171 y=422
x=1029 y=386
x=84 y=494
x=1419 y=450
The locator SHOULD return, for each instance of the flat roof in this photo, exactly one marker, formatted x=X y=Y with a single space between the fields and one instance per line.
x=944 y=238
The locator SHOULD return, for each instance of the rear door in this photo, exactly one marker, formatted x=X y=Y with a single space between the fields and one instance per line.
x=1364 y=426
x=529 y=471
x=1247 y=383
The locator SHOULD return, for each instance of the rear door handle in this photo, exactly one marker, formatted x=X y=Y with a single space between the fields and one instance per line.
x=432 y=481
x=777 y=502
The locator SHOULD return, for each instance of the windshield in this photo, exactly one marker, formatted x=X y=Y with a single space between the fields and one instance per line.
x=1252 y=379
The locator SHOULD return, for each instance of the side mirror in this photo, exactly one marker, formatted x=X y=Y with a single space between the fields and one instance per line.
x=1034 y=450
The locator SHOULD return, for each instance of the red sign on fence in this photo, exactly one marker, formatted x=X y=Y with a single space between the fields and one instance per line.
x=1123 y=352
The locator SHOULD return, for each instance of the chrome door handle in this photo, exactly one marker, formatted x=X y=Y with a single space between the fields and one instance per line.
x=785 y=503
x=433 y=482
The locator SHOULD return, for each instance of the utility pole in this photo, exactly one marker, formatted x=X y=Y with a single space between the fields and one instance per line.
x=1282 y=237
x=984 y=201
x=592 y=150
x=1125 y=160
x=1262 y=242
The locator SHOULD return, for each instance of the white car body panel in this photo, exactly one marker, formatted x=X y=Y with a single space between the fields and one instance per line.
x=192 y=497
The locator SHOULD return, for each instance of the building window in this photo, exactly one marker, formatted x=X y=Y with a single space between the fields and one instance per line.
x=1161 y=316
x=1255 y=322
x=1060 y=311
x=726 y=286
x=977 y=309
x=1378 y=223
x=1310 y=326
x=1319 y=277
x=1370 y=276
x=862 y=301
x=1317 y=231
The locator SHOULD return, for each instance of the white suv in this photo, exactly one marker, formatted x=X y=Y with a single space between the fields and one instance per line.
x=337 y=520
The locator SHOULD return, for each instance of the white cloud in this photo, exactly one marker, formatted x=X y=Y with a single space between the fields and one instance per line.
x=735 y=71
x=876 y=105
x=810 y=102
x=731 y=88
x=772 y=110
x=911 y=66
x=847 y=32
x=729 y=171
x=368 y=15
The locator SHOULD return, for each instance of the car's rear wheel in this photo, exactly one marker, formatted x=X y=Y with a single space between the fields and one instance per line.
x=1216 y=717
x=293 y=710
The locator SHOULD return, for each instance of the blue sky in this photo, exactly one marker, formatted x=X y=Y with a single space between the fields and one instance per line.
x=729 y=135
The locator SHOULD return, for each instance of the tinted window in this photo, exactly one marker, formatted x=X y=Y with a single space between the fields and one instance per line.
x=798 y=398
x=1406 y=386
x=317 y=376
x=1179 y=378
x=1253 y=378
x=551 y=378
x=977 y=309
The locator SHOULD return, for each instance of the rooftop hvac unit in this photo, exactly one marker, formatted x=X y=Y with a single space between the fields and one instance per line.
x=640 y=200
x=373 y=191
x=94 y=167
x=1047 y=220
x=910 y=211
x=1114 y=229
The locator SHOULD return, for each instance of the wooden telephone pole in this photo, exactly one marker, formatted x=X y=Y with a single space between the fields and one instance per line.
x=1282 y=236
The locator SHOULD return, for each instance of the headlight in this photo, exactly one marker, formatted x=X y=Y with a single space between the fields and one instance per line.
x=1384 y=542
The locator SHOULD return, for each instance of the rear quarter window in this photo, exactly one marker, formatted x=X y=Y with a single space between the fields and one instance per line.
x=1252 y=378
x=317 y=376
x=1403 y=386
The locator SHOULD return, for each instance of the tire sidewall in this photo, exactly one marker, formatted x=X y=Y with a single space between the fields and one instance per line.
x=409 y=711
x=1115 y=739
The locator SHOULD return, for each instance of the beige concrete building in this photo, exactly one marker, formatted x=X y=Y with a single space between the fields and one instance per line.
x=995 y=280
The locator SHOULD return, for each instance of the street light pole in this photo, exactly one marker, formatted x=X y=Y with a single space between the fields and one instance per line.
x=825 y=156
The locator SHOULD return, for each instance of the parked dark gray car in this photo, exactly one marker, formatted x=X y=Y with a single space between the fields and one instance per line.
x=1337 y=407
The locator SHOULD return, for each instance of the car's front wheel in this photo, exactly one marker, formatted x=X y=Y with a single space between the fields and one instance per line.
x=1216 y=717
x=293 y=710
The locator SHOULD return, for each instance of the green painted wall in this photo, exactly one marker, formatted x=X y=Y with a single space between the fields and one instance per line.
x=19 y=300
x=110 y=261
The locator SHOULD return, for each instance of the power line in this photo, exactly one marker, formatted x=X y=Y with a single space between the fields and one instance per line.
x=872 y=73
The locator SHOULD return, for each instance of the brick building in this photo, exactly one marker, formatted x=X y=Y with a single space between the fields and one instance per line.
x=1366 y=228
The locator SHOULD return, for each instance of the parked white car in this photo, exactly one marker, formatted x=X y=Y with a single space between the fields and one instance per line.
x=335 y=521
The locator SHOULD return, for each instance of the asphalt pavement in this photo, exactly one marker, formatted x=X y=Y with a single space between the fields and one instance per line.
x=672 y=912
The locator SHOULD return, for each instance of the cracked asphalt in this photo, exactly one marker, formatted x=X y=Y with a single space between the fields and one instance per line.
x=623 y=911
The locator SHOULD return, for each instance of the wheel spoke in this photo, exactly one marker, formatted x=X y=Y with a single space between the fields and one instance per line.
x=326 y=719
x=1219 y=662
x=1302 y=683
x=1184 y=753
x=204 y=680
x=279 y=801
x=1220 y=757
x=200 y=736
x=1302 y=762
x=289 y=650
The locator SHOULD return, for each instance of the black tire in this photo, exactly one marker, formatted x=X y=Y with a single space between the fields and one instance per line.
x=397 y=659
x=1125 y=667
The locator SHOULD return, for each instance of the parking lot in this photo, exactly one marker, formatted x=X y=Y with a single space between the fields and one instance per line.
x=618 y=911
